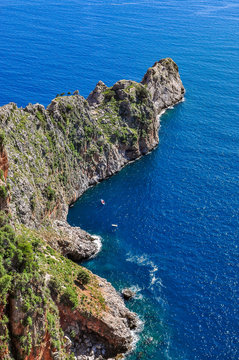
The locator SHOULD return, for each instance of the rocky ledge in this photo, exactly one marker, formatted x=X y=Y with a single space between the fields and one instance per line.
x=50 y=307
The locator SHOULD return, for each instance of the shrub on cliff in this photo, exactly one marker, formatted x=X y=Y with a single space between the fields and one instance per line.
x=109 y=94
x=50 y=193
x=83 y=277
x=17 y=252
x=2 y=138
x=26 y=255
x=5 y=283
x=142 y=93
x=70 y=297
x=2 y=175
x=69 y=107
x=4 y=218
x=3 y=192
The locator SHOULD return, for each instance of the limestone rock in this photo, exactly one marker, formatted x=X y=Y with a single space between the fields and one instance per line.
x=76 y=243
x=96 y=97
x=164 y=84
x=127 y=294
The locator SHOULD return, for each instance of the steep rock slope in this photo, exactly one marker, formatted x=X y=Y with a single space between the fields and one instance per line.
x=58 y=152
x=51 y=308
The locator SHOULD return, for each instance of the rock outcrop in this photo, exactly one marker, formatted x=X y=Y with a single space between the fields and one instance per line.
x=58 y=152
x=127 y=293
x=164 y=84
x=50 y=307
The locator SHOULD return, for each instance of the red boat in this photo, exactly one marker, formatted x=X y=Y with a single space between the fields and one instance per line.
x=102 y=201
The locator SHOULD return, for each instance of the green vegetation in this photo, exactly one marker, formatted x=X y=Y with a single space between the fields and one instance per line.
x=17 y=268
x=51 y=196
x=66 y=140
x=83 y=277
x=17 y=255
x=66 y=284
x=40 y=117
x=3 y=192
x=109 y=94
x=69 y=107
x=25 y=261
x=2 y=175
x=2 y=138
x=142 y=93
x=33 y=202
x=70 y=297
x=50 y=193
x=47 y=156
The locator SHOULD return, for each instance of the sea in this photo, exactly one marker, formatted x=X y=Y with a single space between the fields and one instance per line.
x=177 y=209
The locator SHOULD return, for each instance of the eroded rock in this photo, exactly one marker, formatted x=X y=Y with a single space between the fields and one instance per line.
x=127 y=293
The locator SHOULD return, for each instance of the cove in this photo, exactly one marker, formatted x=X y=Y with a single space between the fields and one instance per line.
x=165 y=246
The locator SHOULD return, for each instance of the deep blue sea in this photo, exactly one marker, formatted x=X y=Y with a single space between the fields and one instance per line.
x=177 y=209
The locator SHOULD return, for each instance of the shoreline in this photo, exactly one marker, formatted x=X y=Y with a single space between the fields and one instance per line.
x=66 y=148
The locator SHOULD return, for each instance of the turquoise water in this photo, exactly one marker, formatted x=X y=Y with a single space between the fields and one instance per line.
x=177 y=208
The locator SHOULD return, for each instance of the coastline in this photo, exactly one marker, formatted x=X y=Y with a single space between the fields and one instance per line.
x=98 y=241
x=66 y=148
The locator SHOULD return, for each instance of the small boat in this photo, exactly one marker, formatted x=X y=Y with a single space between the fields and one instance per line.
x=114 y=225
x=102 y=201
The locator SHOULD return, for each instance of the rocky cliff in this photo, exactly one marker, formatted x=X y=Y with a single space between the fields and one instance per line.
x=50 y=307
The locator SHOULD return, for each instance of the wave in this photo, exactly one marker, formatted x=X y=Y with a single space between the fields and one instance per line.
x=160 y=114
x=143 y=260
x=98 y=242
x=169 y=108
x=136 y=289
x=135 y=334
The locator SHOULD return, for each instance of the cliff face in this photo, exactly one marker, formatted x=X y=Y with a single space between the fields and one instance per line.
x=58 y=152
x=50 y=156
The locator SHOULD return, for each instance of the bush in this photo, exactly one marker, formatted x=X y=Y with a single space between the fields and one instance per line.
x=50 y=193
x=142 y=93
x=83 y=277
x=55 y=286
x=40 y=117
x=2 y=137
x=109 y=94
x=69 y=107
x=3 y=192
x=70 y=297
x=134 y=138
x=25 y=255
x=4 y=218
x=2 y=175
x=5 y=283
x=29 y=321
x=33 y=202
x=2 y=269
x=88 y=132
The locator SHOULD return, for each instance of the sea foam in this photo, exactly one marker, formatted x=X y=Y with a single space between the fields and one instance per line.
x=143 y=260
x=98 y=242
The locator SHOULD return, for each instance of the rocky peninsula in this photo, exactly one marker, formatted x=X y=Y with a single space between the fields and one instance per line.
x=50 y=307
